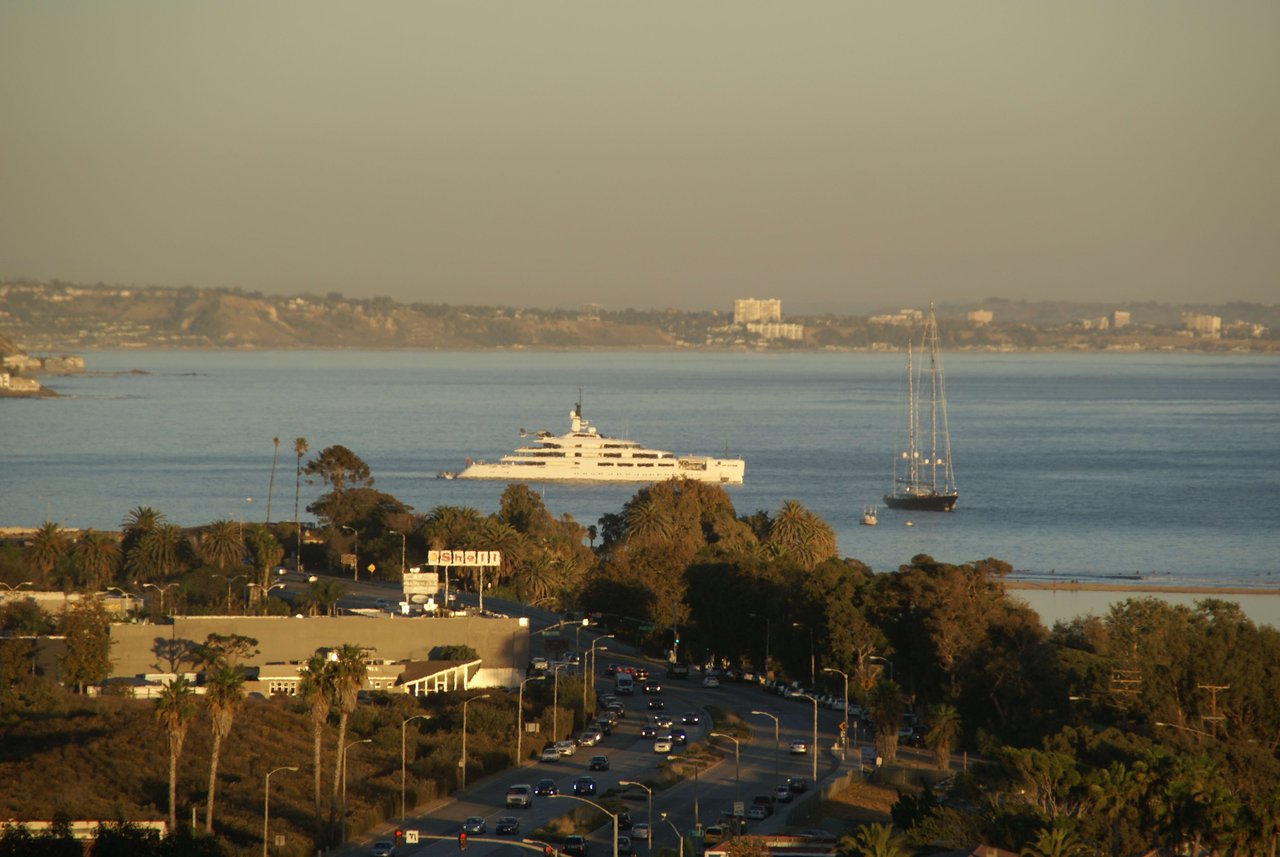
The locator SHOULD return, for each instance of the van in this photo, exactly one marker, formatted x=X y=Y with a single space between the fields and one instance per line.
x=624 y=685
x=520 y=796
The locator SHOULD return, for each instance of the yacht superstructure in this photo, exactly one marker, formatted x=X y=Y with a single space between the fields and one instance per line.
x=584 y=455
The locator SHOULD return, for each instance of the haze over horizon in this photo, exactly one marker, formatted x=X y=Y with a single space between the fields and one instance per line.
x=667 y=155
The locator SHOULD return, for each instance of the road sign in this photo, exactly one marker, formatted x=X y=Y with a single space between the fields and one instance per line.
x=411 y=837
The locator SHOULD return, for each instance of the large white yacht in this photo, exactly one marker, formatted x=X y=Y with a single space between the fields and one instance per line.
x=585 y=455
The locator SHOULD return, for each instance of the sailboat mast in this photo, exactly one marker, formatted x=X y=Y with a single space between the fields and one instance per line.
x=931 y=338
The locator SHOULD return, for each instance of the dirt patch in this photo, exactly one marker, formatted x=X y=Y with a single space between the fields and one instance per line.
x=861 y=803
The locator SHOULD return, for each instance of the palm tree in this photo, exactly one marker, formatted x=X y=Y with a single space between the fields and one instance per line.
x=46 y=549
x=316 y=690
x=1057 y=840
x=174 y=710
x=97 y=555
x=350 y=671
x=802 y=535
x=887 y=707
x=299 y=450
x=873 y=840
x=142 y=518
x=224 y=693
x=221 y=544
x=265 y=550
x=156 y=553
x=944 y=728
x=648 y=519
x=271 y=486
x=323 y=595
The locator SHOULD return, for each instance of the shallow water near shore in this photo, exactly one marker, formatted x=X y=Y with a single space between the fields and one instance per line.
x=1091 y=467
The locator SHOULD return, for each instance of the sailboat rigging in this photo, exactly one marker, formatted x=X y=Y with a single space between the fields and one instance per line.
x=926 y=482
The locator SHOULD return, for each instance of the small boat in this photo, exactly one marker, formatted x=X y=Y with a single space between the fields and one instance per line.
x=869 y=516
x=446 y=474
x=927 y=482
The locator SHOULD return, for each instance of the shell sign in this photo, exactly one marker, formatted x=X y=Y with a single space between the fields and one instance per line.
x=465 y=558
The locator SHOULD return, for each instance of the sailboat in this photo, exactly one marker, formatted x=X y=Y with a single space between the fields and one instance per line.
x=923 y=478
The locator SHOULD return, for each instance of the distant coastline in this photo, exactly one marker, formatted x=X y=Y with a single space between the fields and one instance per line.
x=1137 y=587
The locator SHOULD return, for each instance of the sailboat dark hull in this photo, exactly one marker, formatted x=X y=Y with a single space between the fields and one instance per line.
x=922 y=502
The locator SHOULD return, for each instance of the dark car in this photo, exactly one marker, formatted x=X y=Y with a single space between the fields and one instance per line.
x=652 y=687
x=679 y=736
x=656 y=704
x=765 y=802
x=574 y=846
x=640 y=674
x=624 y=846
x=797 y=784
x=545 y=788
x=612 y=669
x=599 y=763
x=584 y=786
x=508 y=825
x=691 y=718
x=605 y=725
x=649 y=730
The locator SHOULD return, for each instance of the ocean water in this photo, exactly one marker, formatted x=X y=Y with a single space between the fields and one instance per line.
x=1069 y=466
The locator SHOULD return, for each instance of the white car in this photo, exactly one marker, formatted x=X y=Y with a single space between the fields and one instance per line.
x=711 y=681
x=640 y=831
x=662 y=745
x=799 y=748
x=567 y=748
x=549 y=754
x=383 y=848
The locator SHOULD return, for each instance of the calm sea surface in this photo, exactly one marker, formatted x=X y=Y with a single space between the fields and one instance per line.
x=1070 y=466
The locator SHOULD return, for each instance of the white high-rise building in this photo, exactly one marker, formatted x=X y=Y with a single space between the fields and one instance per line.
x=749 y=310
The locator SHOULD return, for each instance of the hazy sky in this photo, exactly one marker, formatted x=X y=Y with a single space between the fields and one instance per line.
x=833 y=154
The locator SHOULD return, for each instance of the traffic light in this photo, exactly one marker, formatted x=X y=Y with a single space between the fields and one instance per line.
x=548 y=851
x=399 y=836
x=462 y=842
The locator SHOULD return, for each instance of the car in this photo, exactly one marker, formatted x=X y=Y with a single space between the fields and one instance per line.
x=566 y=748
x=572 y=658
x=383 y=848
x=679 y=736
x=381 y=604
x=782 y=794
x=712 y=835
x=605 y=726
x=624 y=845
x=663 y=721
x=549 y=754
x=546 y=788
x=757 y=813
x=797 y=784
x=765 y=802
x=624 y=819
x=574 y=846
x=653 y=687
x=711 y=681
x=590 y=737
x=508 y=825
x=584 y=786
x=678 y=670
x=611 y=669
x=662 y=745
x=617 y=709
x=599 y=763
x=640 y=674
x=539 y=665
x=690 y=718
x=640 y=831
x=649 y=730
x=656 y=704
x=474 y=824
x=799 y=748
x=521 y=795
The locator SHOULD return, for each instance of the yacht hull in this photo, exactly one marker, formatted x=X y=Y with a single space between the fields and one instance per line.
x=922 y=502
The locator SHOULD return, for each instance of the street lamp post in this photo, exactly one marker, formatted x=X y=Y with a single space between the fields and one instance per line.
x=230 y=582
x=403 y=754
x=737 y=767
x=611 y=815
x=774 y=718
x=844 y=734
x=462 y=763
x=813 y=750
x=401 y=535
x=555 y=702
x=266 y=590
x=812 y=674
x=697 y=822
x=675 y=830
x=344 y=782
x=162 y=590
x=649 y=792
x=520 y=716
x=266 y=806
x=14 y=587
x=355 y=552
x=589 y=669
x=883 y=661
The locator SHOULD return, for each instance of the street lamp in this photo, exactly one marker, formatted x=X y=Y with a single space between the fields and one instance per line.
x=844 y=733
x=401 y=535
x=230 y=581
x=648 y=791
x=808 y=628
x=555 y=702
x=774 y=718
x=1199 y=732
x=612 y=815
x=737 y=768
x=883 y=661
x=266 y=805
x=675 y=830
x=696 y=821
x=344 y=782
x=462 y=763
x=16 y=587
x=162 y=590
x=402 y=755
x=813 y=750
x=355 y=553
x=591 y=670
x=768 y=634
x=266 y=590
x=520 y=716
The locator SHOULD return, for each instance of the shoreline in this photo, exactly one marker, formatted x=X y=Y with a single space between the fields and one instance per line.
x=1137 y=586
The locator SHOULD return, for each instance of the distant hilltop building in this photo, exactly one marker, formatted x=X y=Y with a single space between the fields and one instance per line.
x=750 y=310
x=901 y=317
x=1208 y=326
x=1120 y=319
x=764 y=319
x=981 y=316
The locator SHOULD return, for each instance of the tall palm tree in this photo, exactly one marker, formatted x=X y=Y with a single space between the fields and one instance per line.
x=350 y=671
x=648 y=519
x=323 y=594
x=944 y=728
x=157 y=553
x=265 y=550
x=142 y=518
x=97 y=555
x=174 y=710
x=873 y=840
x=224 y=693
x=887 y=707
x=316 y=690
x=221 y=544
x=46 y=549
x=271 y=486
x=299 y=450
x=802 y=535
